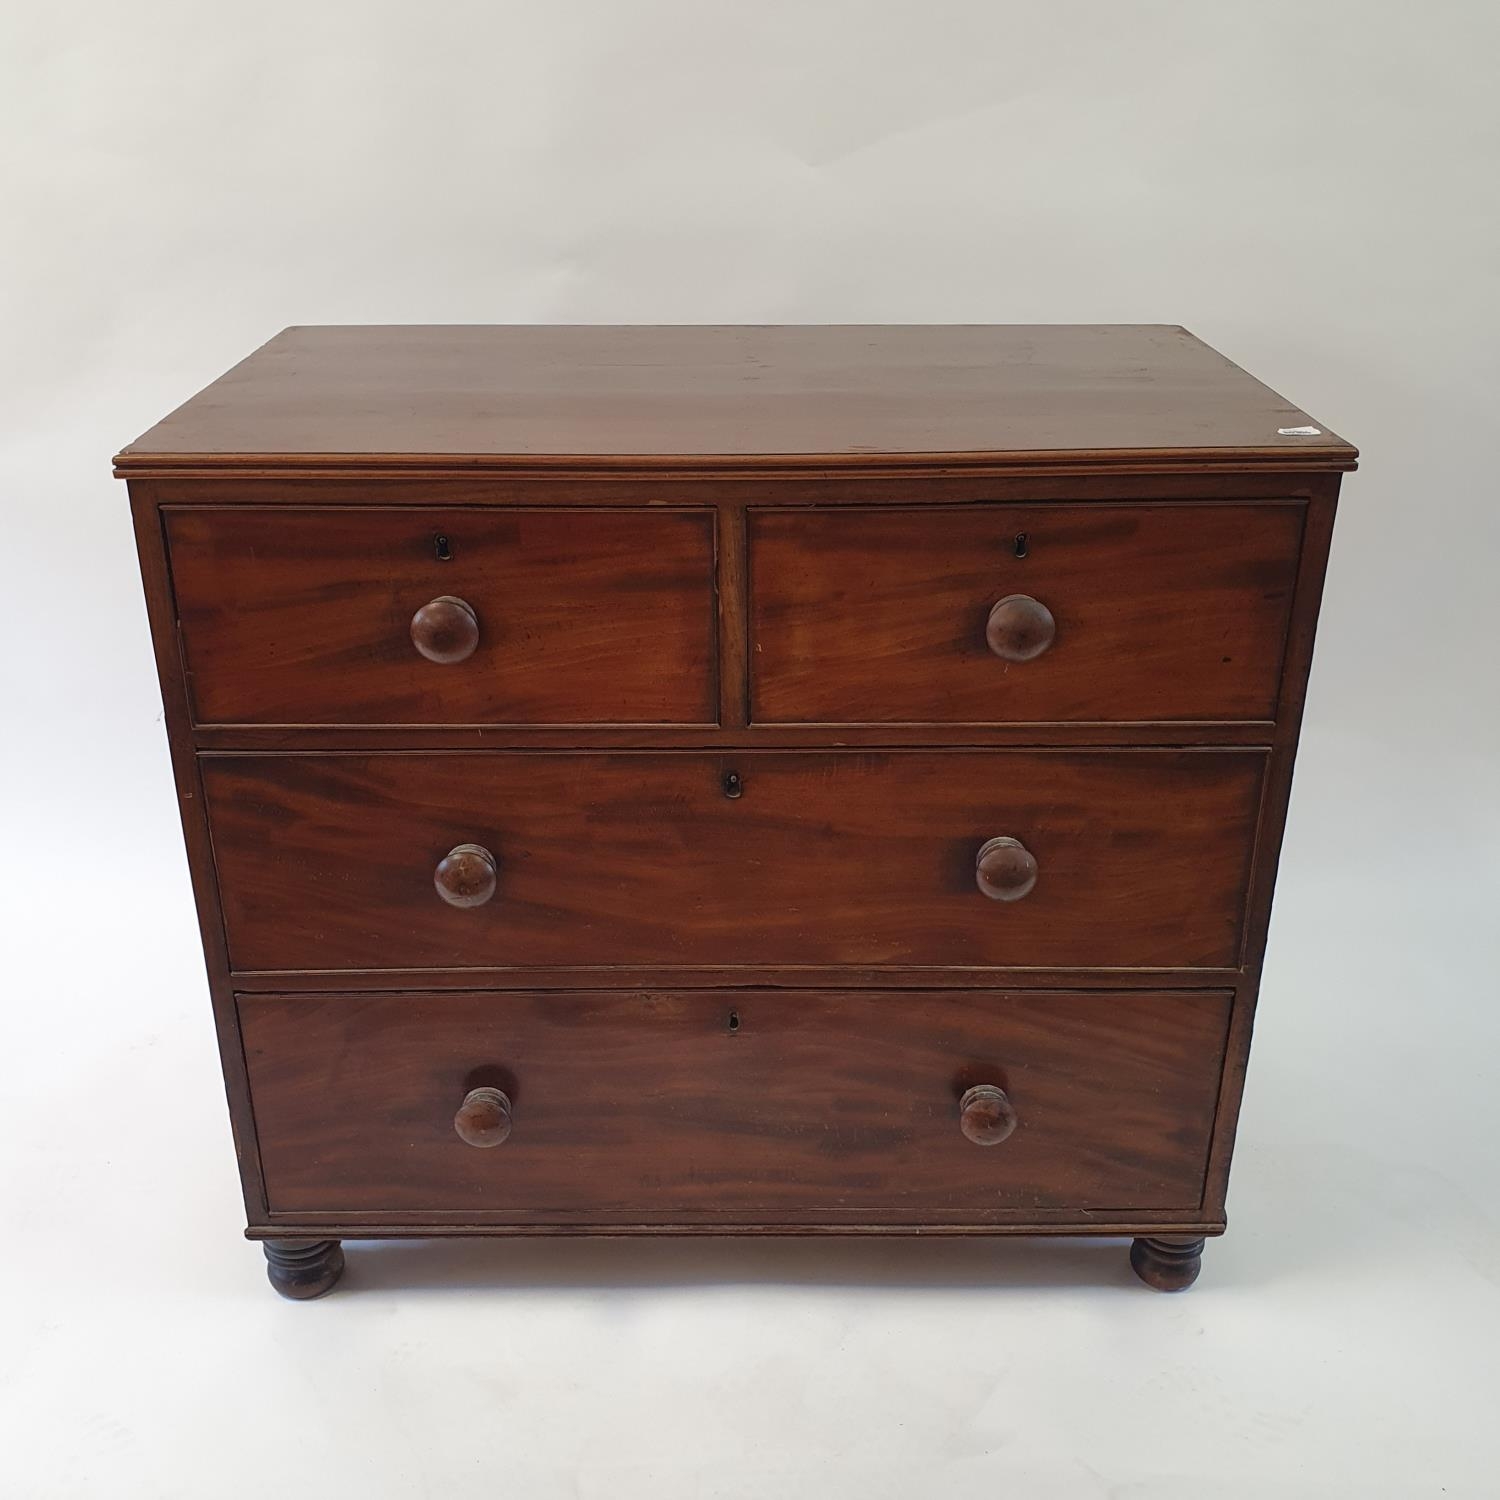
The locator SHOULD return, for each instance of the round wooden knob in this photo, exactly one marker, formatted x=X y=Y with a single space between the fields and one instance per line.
x=986 y=1115
x=483 y=1119
x=465 y=875
x=445 y=631
x=1005 y=869
x=1020 y=628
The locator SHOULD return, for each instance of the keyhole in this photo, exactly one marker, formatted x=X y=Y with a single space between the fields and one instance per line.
x=443 y=548
x=1023 y=542
x=734 y=1020
x=733 y=785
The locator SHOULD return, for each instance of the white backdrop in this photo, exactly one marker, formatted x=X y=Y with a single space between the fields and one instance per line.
x=1311 y=187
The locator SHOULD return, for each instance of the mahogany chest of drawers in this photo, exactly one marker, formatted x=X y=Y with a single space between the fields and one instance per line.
x=733 y=780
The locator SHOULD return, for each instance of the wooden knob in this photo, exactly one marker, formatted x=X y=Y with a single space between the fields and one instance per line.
x=1020 y=628
x=1005 y=869
x=465 y=875
x=445 y=631
x=483 y=1119
x=986 y=1115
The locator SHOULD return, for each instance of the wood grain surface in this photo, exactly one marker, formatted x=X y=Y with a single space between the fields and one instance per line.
x=1170 y=612
x=653 y=1105
x=682 y=397
x=327 y=861
x=585 y=617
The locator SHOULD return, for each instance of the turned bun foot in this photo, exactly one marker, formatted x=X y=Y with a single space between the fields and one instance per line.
x=1168 y=1265
x=302 y=1269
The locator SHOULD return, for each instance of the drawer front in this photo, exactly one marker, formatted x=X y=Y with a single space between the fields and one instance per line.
x=578 y=616
x=1149 y=613
x=675 y=1106
x=1141 y=858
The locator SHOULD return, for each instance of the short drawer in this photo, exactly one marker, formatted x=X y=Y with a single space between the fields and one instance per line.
x=663 y=1107
x=988 y=614
x=1136 y=858
x=466 y=616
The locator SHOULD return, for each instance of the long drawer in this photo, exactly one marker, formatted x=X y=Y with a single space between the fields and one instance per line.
x=996 y=614
x=408 y=615
x=1136 y=858
x=672 y=1106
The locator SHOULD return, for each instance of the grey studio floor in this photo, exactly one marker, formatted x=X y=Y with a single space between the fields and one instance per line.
x=1341 y=1340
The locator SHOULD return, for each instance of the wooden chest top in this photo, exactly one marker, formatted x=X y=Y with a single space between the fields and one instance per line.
x=712 y=399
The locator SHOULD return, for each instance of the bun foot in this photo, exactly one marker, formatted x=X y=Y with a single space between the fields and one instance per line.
x=303 y=1269
x=1168 y=1265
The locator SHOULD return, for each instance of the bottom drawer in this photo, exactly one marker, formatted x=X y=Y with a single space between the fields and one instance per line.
x=734 y=1105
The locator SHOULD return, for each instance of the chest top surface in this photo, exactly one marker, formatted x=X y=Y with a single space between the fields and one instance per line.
x=710 y=398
